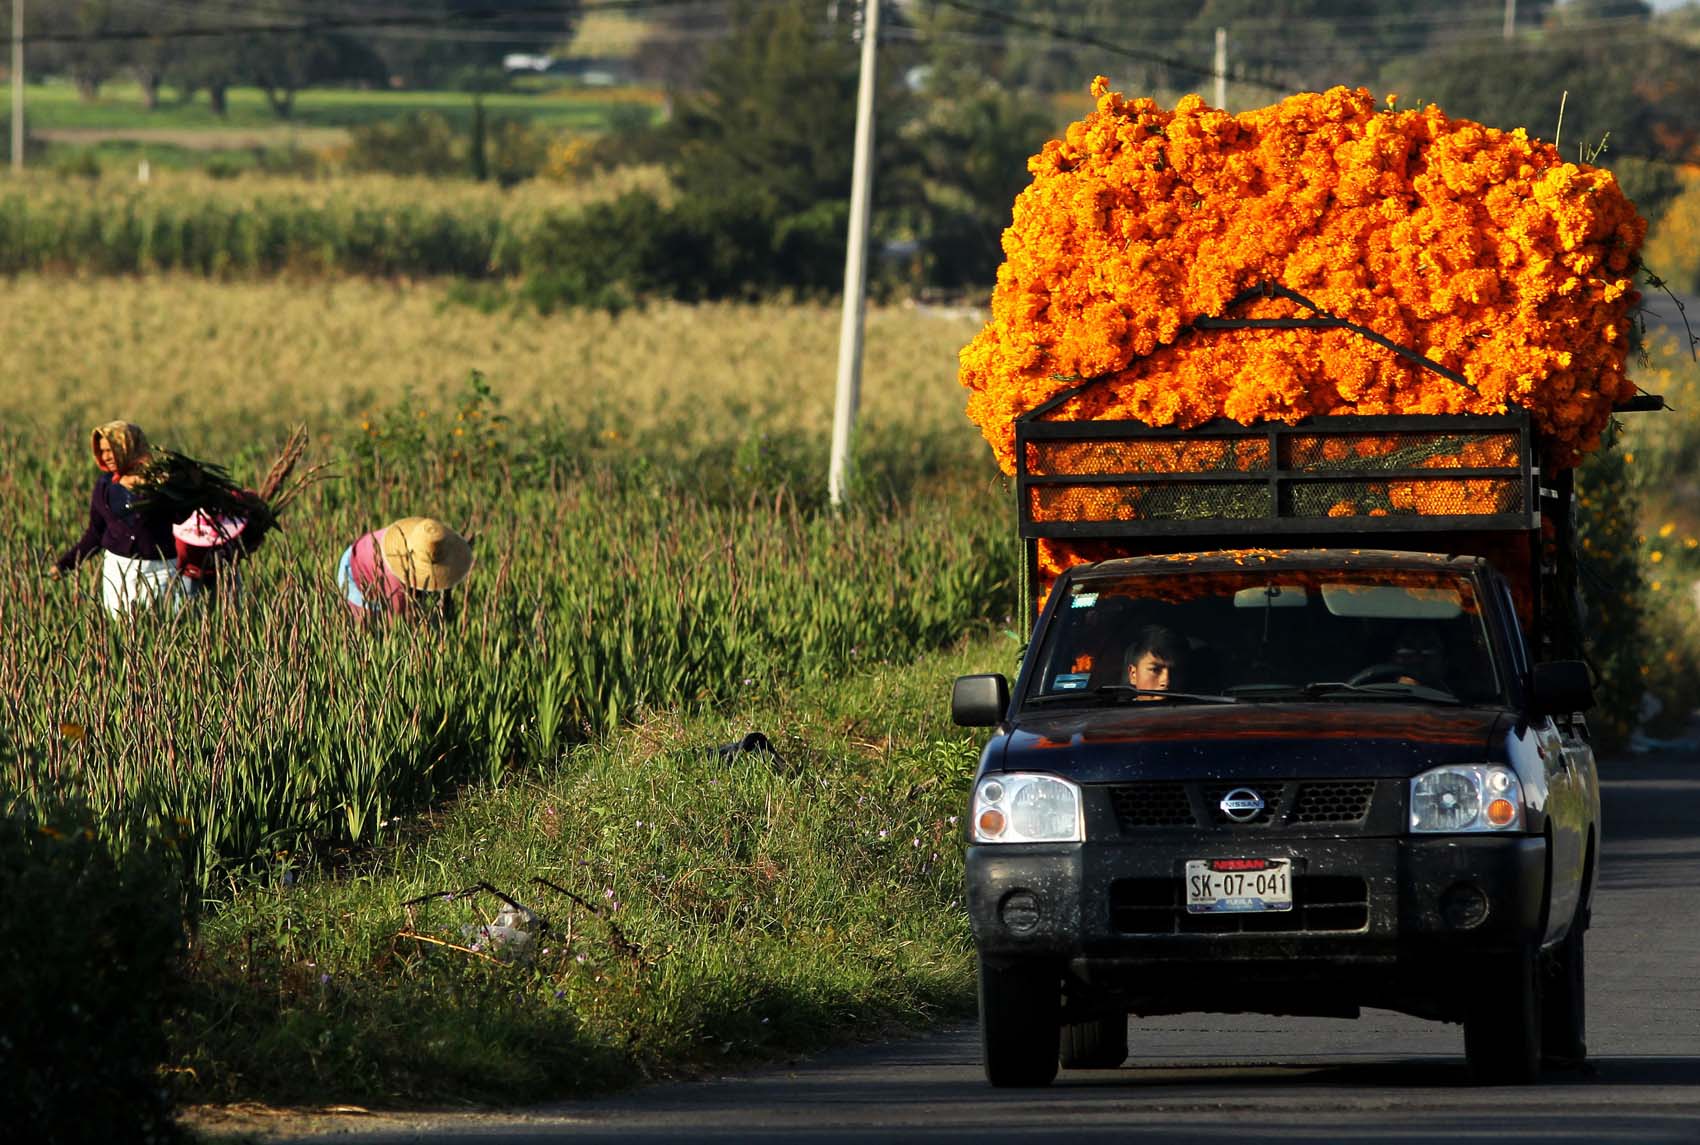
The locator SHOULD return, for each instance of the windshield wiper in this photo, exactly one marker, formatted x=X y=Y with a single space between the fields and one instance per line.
x=1387 y=689
x=1120 y=692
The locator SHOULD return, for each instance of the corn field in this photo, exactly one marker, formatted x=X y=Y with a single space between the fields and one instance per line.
x=369 y=224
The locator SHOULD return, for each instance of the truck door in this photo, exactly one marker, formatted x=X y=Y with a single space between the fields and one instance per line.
x=1567 y=760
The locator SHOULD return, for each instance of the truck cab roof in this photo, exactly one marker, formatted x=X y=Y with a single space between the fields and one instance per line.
x=1227 y=560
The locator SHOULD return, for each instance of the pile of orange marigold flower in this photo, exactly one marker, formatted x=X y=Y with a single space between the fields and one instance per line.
x=1478 y=248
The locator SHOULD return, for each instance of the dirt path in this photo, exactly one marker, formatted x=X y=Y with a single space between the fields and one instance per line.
x=199 y=138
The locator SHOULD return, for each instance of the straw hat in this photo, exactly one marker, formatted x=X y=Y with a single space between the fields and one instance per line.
x=425 y=553
x=206 y=531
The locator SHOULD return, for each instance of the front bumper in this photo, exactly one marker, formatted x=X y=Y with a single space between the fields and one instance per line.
x=1423 y=908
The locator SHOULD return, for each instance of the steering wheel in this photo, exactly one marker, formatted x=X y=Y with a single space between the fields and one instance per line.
x=1383 y=673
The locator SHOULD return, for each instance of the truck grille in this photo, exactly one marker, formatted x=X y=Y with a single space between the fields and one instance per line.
x=1151 y=805
x=1334 y=801
x=1320 y=903
x=1171 y=803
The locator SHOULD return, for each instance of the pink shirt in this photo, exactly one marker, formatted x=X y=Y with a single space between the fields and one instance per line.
x=382 y=589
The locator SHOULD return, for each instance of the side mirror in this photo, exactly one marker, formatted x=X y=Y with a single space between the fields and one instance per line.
x=1560 y=687
x=979 y=701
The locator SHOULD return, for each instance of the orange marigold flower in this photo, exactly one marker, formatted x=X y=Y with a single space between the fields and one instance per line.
x=1480 y=248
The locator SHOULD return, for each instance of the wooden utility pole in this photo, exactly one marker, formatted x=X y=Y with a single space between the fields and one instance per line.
x=1510 y=19
x=1221 y=68
x=17 y=87
x=855 y=264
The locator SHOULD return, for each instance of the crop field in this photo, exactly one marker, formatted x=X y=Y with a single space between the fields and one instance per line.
x=366 y=224
x=217 y=367
x=657 y=574
x=679 y=454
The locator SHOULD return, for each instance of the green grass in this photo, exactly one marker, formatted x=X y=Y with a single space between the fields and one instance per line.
x=658 y=574
x=57 y=106
x=633 y=607
x=729 y=910
x=607 y=586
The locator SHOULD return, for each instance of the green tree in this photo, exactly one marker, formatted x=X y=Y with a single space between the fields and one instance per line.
x=467 y=39
x=1637 y=86
x=769 y=132
x=282 y=64
x=975 y=143
x=213 y=64
x=87 y=51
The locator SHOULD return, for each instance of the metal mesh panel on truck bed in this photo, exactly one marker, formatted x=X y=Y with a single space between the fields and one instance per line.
x=1078 y=479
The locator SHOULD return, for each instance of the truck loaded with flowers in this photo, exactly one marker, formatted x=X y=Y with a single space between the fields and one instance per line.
x=1292 y=401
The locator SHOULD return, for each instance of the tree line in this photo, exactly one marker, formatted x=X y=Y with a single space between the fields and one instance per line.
x=211 y=46
x=762 y=103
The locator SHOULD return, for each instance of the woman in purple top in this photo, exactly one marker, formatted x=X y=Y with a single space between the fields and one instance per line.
x=139 y=562
x=390 y=570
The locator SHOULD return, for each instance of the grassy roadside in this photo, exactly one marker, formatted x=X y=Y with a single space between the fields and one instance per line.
x=720 y=910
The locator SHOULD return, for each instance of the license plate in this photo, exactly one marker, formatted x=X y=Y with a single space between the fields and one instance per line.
x=1225 y=886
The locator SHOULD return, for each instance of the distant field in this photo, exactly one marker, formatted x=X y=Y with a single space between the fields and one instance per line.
x=55 y=107
x=191 y=358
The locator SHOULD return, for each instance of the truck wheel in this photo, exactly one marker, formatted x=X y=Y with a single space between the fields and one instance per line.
x=1020 y=1021
x=1502 y=1030
x=1564 y=1011
x=1098 y=1044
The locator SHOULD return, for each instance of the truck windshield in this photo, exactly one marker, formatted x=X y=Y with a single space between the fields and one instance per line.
x=1295 y=635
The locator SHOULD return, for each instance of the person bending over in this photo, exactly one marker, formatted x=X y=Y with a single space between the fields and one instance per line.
x=391 y=570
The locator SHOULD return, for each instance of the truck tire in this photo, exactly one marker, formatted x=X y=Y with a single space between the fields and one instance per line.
x=1502 y=1029
x=1098 y=1044
x=1020 y=1023
x=1564 y=1002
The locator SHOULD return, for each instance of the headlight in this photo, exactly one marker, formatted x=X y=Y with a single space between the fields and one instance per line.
x=1477 y=797
x=1026 y=809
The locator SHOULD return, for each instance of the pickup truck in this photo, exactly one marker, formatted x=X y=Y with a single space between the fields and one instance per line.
x=1305 y=734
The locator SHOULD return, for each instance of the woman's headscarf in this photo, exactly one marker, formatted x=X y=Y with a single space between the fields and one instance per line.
x=128 y=443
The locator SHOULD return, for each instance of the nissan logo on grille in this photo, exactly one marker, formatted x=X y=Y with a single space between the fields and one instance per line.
x=1242 y=804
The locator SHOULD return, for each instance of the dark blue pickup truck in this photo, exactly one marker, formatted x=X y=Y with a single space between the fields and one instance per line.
x=1266 y=754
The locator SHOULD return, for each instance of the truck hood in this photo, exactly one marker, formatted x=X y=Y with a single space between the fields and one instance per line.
x=1253 y=741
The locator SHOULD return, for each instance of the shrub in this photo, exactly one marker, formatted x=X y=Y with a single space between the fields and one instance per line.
x=79 y=164
x=289 y=160
x=613 y=254
x=518 y=151
x=1612 y=587
x=224 y=167
x=1673 y=242
x=418 y=143
x=88 y=940
x=1650 y=184
x=601 y=257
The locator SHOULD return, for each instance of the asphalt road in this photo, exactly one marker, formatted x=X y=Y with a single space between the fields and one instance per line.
x=1676 y=316
x=1193 y=1081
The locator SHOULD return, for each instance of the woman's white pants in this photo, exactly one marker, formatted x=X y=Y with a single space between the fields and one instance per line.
x=127 y=583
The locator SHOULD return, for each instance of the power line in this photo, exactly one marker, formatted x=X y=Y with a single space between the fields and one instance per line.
x=1087 y=39
x=333 y=23
x=386 y=21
